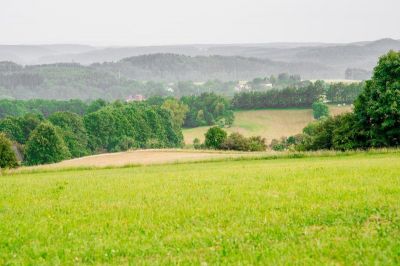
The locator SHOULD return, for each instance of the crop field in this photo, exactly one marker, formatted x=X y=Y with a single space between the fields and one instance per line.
x=142 y=157
x=335 y=210
x=270 y=124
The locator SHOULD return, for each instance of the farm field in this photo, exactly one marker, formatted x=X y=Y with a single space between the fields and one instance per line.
x=142 y=157
x=336 y=210
x=270 y=124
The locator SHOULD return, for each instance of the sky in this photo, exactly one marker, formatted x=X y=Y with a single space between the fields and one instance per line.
x=166 y=22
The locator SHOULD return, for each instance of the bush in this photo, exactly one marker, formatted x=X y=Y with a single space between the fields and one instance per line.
x=7 y=155
x=215 y=137
x=197 y=144
x=257 y=143
x=320 y=110
x=290 y=143
x=45 y=145
x=238 y=142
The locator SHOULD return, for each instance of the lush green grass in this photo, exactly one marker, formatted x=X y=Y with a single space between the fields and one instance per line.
x=268 y=123
x=315 y=210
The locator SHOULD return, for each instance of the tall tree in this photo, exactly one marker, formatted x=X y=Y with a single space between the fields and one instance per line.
x=378 y=107
x=45 y=145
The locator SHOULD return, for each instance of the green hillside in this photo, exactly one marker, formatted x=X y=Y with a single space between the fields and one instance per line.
x=340 y=210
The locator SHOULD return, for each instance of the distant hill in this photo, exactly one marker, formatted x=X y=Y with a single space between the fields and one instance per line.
x=333 y=59
x=172 y=67
x=146 y=74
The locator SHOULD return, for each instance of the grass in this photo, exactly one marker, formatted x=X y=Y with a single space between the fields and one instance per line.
x=310 y=210
x=269 y=123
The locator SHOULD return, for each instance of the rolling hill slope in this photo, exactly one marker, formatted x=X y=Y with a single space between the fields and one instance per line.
x=270 y=124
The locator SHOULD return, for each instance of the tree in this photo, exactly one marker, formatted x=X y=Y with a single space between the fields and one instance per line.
x=215 y=137
x=8 y=158
x=377 y=109
x=177 y=110
x=96 y=105
x=45 y=145
x=12 y=128
x=320 y=110
x=73 y=132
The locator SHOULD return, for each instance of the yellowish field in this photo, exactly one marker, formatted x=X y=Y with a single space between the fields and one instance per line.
x=142 y=157
x=270 y=124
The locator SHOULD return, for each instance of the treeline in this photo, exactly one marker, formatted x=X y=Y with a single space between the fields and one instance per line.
x=343 y=93
x=45 y=107
x=115 y=127
x=302 y=96
x=206 y=110
x=275 y=98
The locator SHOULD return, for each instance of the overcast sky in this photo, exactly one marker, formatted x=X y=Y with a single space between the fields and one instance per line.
x=156 y=22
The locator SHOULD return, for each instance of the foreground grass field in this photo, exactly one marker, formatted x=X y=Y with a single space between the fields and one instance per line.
x=323 y=210
x=270 y=124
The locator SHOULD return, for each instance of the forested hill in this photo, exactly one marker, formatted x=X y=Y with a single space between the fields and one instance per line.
x=334 y=58
x=147 y=75
x=173 y=67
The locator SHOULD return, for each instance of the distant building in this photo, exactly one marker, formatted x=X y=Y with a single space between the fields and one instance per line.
x=267 y=85
x=135 y=98
x=242 y=85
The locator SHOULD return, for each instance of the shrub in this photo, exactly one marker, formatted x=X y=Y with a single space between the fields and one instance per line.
x=7 y=155
x=277 y=145
x=215 y=136
x=238 y=142
x=290 y=143
x=320 y=110
x=257 y=143
x=235 y=141
x=45 y=145
x=197 y=144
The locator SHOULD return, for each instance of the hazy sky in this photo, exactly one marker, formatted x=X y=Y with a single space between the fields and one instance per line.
x=152 y=22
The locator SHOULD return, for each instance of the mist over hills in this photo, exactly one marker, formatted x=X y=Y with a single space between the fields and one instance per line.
x=79 y=71
x=204 y=62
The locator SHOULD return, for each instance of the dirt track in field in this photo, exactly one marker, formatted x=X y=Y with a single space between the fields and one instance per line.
x=142 y=157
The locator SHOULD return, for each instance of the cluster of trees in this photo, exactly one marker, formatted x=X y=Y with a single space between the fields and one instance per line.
x=304 y=94
x=217 y=138
x=374 y=123
x=114 y=127
x=343 y=93
x=280 y=98
x=207 y=109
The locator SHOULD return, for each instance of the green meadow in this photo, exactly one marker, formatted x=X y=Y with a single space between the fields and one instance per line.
x=334 y=210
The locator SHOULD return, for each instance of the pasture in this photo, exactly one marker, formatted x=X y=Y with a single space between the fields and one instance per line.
x=270 y=123
x=336 y=210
